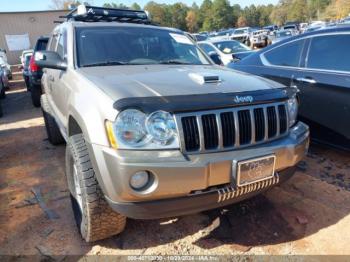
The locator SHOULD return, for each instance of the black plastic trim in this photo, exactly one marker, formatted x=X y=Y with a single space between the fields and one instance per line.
x=187 y=103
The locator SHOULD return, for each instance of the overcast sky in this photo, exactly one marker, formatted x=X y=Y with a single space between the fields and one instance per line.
x=34 y=5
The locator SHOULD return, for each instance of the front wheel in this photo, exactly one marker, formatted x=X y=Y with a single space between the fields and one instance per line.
x=94 y=217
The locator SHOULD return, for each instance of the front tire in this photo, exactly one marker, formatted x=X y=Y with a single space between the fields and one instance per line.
x=53 y=132
x=35 y=94
x=94 y=218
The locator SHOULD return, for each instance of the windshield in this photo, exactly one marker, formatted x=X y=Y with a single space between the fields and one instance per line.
x=231 y=47
x=284 y=34
x=103 y=46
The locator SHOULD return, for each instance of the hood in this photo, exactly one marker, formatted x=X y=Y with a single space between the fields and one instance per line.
x=158 y=80
x=242 y=55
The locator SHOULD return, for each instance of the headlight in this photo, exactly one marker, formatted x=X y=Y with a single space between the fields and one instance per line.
x=130 y=128
x=134 y=129
x=161 y=126
x=292 y=110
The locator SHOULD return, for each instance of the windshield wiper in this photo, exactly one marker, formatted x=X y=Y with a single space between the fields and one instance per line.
x=173 y=62
x=107 y=63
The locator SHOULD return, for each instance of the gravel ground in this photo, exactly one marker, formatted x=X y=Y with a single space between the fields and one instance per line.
x=307 y=215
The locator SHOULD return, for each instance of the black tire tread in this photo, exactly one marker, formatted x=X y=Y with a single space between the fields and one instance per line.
x=35 y=93
x=53 y=132
x=99 y=221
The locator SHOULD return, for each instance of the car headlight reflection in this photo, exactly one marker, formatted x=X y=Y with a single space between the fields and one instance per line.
x=292 y=110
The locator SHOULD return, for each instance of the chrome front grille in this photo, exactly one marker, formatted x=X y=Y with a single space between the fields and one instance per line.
x=227 y=129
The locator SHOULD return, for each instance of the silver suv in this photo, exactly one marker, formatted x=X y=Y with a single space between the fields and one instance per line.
x=155 y=129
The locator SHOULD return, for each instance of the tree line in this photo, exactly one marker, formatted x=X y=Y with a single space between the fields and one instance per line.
x=213 y=15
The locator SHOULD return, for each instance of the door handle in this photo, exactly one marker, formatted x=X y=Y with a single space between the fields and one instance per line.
x=307 y=80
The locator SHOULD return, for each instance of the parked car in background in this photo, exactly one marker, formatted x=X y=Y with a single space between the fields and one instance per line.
x=259 y=38
x=24 y=54
x=2 y=90
x=346 y=20
x=4 y=82
x=318 y=63
x=271 y=28
x=228 y=50
x=3 y=86
x=303 y=27
x=199 y=37
x=3 y=54
x=243 y=35
x=290 y=27
x=222 y=35
x=25 y=70
x=6 y=67
x=283 y=35
x=35 y=72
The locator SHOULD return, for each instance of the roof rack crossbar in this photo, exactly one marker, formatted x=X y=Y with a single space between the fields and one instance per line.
x=95 y=14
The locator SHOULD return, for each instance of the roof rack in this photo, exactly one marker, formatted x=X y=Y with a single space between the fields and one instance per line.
x=86 y=13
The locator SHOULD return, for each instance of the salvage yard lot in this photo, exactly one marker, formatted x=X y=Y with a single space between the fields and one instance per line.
x=310 y=214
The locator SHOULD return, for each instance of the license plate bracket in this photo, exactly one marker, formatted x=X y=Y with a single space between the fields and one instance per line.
x=255 y=170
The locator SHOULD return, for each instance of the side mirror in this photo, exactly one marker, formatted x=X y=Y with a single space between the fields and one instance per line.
x=50 y=59
x=216 y=58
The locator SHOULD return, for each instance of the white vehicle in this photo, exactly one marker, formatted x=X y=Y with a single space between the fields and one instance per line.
x=259 y=38
x=6 y=67
x=228 y=50
x=303 y=27
x=242 y=35
x=24 y=54
x=3 y=54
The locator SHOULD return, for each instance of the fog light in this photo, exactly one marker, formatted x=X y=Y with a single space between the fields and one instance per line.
x=139 y=180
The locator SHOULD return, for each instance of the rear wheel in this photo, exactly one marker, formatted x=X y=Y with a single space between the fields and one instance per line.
x=26 y=81
x=94 y=218
x=52 y=129
x=35 y=94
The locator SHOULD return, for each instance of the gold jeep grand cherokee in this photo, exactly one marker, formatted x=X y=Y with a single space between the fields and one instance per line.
x=155 y=129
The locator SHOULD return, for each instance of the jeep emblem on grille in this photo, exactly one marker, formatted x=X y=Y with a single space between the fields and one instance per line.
x=243 y=99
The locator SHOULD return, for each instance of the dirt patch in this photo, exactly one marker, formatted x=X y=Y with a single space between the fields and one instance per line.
x=307 y=215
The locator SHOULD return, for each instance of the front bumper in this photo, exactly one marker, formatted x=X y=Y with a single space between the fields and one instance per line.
x=178 y=176
x=193 y=203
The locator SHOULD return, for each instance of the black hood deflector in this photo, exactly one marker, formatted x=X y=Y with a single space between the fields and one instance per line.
x=187 y=103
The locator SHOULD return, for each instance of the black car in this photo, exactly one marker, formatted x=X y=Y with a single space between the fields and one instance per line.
x=318 y=63
x=35 y=72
